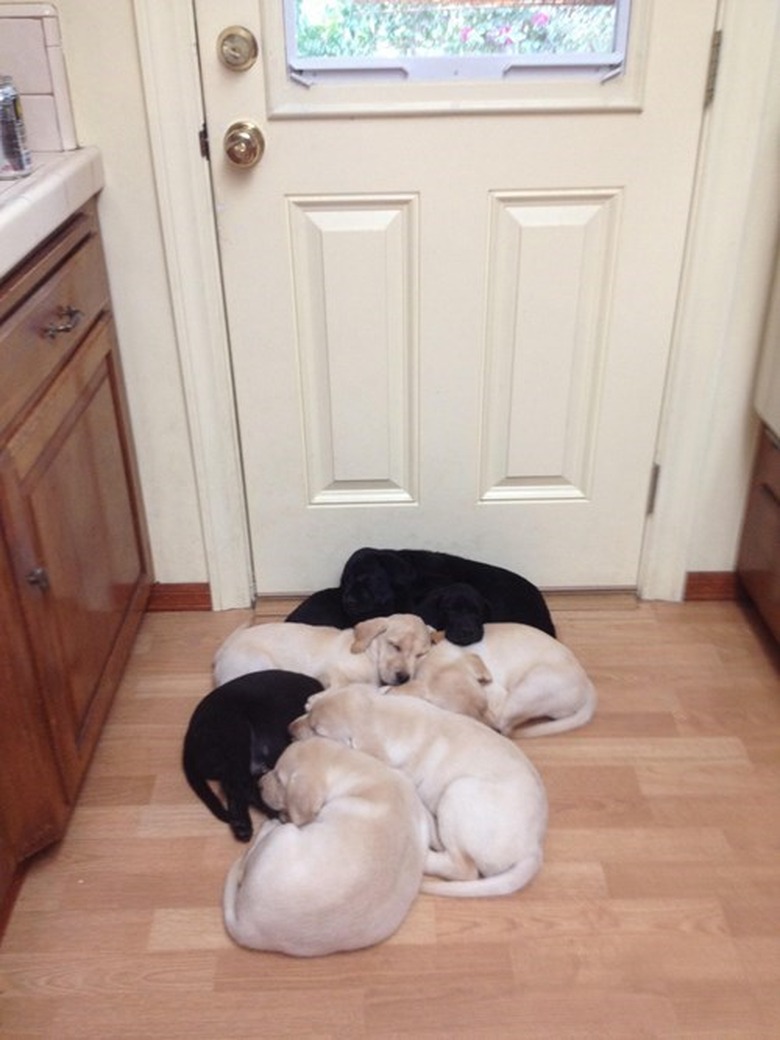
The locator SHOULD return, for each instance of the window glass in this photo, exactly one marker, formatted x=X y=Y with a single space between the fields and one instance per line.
x=438 y=39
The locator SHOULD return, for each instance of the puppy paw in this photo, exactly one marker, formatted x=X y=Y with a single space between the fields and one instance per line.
x=241 y=831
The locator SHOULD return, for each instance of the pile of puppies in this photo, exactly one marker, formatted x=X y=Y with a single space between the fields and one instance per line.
x=371 y=796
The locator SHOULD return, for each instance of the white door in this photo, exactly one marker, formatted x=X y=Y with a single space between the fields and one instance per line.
x=450 y=306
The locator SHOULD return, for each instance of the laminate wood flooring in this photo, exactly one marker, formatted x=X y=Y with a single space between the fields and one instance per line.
x=655 y=915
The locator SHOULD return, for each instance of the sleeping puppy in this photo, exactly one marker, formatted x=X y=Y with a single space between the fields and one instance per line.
x=378 y=582
x=345 y=869
x=532 y=685
x=487 y=800
x=374 y=582
x=458 y=610
x=460 y=683
x=385 y=651
x=235 y=734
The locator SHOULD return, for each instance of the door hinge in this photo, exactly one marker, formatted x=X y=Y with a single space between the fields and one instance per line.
x=203 y=141
x=655 y=473
x=712 y=69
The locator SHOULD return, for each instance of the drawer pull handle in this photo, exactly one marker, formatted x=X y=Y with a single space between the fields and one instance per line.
x=38 y=578
x=70 y=316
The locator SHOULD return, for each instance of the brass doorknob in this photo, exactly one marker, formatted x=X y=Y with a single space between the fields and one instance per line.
x=244 y=143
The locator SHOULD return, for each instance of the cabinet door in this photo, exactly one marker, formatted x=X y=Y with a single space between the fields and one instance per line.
x=759 y=555
x=7 y=876
x=33 y=809
x=78 y=544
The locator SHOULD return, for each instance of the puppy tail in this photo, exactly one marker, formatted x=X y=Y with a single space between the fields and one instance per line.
x=495 y=885
x=550 y=726
x=202 y=789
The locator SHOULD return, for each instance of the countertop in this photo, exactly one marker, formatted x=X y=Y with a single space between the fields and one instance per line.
x=32 y=207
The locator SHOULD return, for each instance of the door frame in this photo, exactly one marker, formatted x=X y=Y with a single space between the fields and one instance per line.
x=722 y=204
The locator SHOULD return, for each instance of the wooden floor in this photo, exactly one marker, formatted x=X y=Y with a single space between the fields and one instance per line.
x=656 y=913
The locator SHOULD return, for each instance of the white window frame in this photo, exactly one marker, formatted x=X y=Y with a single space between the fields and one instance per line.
x=469 y=67
x=307 y=94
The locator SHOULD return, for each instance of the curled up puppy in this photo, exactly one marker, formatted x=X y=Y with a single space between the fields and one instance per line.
x=516 y=679
x=485 y=796
x=345 y=868
x=235 y=734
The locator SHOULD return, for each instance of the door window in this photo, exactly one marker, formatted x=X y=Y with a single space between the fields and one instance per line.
x=442 y=39
x=326 y=58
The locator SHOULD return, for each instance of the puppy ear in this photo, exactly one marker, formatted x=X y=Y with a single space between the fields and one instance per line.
x=479 y=669
x=365 y=632
x=305 y=796
x=437 y=637
x=300 y=727
x=358 y=556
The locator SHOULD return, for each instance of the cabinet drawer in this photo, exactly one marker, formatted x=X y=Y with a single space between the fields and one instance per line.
x=38 y=337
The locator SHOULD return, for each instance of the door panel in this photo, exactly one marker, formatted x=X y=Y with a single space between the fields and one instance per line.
x=549 y=263
x=354 y=272
x=452 y=330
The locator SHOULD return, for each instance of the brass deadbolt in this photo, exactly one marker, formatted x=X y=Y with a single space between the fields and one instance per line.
x=237 y=48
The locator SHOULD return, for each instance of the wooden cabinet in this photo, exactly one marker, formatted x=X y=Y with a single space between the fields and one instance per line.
x=74 y=561
x=759 y=555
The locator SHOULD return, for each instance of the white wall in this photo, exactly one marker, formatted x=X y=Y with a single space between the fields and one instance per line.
x=108 y=102
x=106 y=86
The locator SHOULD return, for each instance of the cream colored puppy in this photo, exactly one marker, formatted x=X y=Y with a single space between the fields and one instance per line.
x=385 y=651
x=529 y=685
x=345 y=869
x=487 y=799
x=457 y=682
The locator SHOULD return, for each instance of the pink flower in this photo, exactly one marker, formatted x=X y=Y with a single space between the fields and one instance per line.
x=465 y=33
x=539 y=20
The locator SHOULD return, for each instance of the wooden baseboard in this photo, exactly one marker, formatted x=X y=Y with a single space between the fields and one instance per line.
x=712 y=585
x=193 y=595
x=699 y=585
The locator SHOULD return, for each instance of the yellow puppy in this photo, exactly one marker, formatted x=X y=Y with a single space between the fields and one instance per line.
x=487 y=799
x=384 y=650
x=345 y=869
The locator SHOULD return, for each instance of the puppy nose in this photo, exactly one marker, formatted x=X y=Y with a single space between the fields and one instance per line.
x=464 y=636
x=401 y=678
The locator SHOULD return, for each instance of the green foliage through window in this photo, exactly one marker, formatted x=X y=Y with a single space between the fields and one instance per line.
x=408 y=28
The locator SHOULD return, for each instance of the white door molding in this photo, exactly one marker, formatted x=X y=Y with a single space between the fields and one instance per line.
x=732 y=193
x=171 y=76
x=166 y=35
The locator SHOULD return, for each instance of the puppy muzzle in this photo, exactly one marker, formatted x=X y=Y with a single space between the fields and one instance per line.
x=465 y=635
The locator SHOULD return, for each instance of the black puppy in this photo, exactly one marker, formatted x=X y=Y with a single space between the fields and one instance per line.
x=374 y=583
x=377 y=582
x=324 y=608
x=449 y=592
x=236 y=733
x=458 y=610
